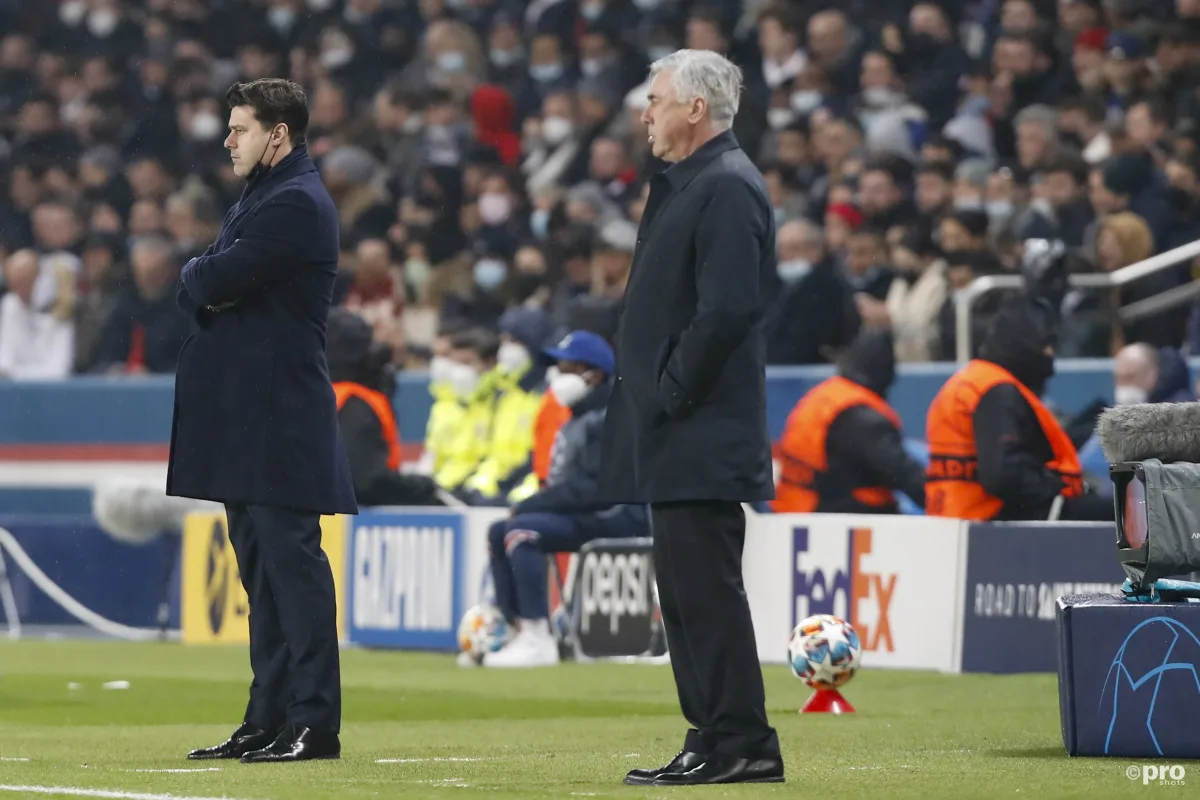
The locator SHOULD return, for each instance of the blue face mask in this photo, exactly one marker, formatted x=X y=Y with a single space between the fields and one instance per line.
x=453 y=61
x=489 y=273
x=543 y=73
x=539 y=223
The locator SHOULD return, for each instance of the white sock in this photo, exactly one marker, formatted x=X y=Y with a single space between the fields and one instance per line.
x=537 y=627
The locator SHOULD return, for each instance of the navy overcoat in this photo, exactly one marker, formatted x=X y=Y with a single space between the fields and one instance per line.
x=255 y=418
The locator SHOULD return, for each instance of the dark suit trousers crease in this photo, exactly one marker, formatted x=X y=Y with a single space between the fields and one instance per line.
x=293 y=617
x=698 y=565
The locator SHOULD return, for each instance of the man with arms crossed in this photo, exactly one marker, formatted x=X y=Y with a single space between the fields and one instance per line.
x=687 y=420
x=256 y=424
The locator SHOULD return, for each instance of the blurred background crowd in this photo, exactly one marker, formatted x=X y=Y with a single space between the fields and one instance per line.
x=487 y=155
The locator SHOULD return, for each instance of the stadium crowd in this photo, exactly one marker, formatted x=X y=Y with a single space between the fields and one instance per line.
x=487 y=155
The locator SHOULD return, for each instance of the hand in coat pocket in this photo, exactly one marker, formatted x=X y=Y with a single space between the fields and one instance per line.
x=671 y=395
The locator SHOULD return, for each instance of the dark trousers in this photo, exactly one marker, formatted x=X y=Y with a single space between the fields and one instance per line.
x=293 y=618
x=698 y=564
x=517 y=550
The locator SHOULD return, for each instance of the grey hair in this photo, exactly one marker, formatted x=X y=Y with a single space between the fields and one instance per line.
x=703 y=73
x=812 y=232
x=1038 y=114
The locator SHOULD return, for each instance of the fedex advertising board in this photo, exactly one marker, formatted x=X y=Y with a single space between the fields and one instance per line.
x=896 y=579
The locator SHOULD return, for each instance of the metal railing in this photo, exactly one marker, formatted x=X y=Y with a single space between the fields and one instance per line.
x=1102 y=280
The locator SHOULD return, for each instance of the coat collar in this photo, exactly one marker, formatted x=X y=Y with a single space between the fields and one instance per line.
x=684 y=172
x=297 y=162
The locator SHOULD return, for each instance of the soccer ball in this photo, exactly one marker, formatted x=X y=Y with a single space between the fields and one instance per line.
x=483 y=630
x=824 y=651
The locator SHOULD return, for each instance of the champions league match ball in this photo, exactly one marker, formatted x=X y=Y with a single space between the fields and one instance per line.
x=825 y=652
x=483 y=630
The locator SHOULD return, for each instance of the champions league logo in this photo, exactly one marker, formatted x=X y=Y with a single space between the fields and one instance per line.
x=1153 y=673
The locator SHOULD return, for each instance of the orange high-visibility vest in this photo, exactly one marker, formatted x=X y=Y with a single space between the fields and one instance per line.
x=952 y=487
x=379 y=403
x=551 y=416
x=804 y=445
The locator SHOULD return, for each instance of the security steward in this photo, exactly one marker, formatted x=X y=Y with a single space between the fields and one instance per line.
x=842 y=448
x=519 y=379
x=995 y=451
x=363 y=385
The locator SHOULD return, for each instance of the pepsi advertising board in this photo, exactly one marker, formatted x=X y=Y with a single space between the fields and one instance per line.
x=1015 y=574
x=405 y=573
x=1128 y=681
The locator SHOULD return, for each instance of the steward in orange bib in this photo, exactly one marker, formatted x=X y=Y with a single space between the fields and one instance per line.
x=842 y=450
x=363 y=385
x=995 y=450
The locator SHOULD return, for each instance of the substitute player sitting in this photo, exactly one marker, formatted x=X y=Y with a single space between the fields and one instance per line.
x=562 y=516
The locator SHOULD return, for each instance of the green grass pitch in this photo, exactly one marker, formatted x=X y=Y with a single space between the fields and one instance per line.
x=416 y=725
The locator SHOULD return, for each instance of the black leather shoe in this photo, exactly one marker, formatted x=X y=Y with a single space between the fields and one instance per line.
x=681 y=763
x=246 y=738
x=727 y=770
x=296 y=744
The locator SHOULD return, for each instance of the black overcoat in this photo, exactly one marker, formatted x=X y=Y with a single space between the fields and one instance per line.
x=255 y=418
x=687 y=419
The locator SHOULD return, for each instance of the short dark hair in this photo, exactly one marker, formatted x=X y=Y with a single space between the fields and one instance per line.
x=1089 y=105
x=939 y=168
x=274 y=101
x=481 y=341
x=1070 y=164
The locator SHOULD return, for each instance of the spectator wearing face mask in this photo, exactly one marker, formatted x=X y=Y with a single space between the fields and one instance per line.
x=471 y=356
x=915 y=298
x=1141 y=374
x=553 y=143
x=518 y=378
x=814 y=315
x=995 y=451
x=563 y=515
x=842 y=448
x=485 y=300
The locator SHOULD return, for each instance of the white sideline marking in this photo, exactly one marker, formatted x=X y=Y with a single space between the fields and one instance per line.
x=13 y=759
x=189 y=769
x=422 y=760
x=76 y=791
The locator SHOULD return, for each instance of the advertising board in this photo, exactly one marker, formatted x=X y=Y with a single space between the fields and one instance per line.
x=1015 y=573
x=895 y=578
x=214 y=607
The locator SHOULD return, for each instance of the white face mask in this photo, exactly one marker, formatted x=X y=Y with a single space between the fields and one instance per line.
x=72 y=11
x=968 y=204
x=551 y=373
x=881 y=97
x=336 y=57
x=556 y=129
x=281 y=19
x=1042 y=207
x=513 y=356
x=779 y=118
x=806 y=100
x=440 y=369
x=102 y=23
x=1130 y=395
x=463 y=380
x=205 y=126
x=494 y=208
x=999 y=209
x=569 y=388
x=793 y=269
